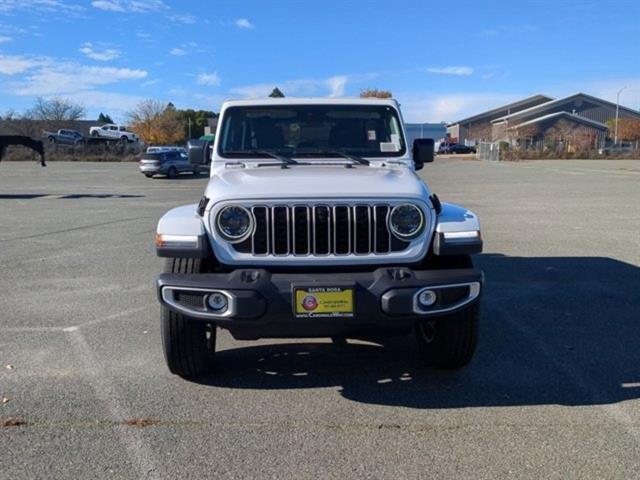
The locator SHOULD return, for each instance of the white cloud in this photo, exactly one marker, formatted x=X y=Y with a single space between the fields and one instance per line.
x=14 y=64
x=102 y=55
x=136 y=6
x=337 y=85
x=334 y=86
x=117 y=104
x=450 y=107
x=243 y=23
x=177 y=51
x=210 y=79
x=463 y=71
x=55 y=78
x=108 y=5
x=185 y=18
x=40 y=5
x=5 y=39
x=178 y=92
x=46 y=76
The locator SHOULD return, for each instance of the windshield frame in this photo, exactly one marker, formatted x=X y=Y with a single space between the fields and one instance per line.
x=292 y=152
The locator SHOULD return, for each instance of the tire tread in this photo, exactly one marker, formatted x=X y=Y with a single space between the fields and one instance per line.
x=186 y=349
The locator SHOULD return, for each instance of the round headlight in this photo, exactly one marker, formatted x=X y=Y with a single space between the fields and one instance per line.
x=406 y=221
x=234 y=223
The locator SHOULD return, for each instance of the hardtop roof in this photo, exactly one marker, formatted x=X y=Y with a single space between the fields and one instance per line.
x=392 y=102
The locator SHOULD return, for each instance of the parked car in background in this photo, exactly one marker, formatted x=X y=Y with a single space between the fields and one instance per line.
x=64 y=137
x=455 y=148
x=170 y=163
x=114 y=132
x=164 y=148
x=624 y=148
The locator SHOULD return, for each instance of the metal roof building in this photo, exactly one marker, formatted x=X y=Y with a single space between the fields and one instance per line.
x=579 y=108
x=478 y=127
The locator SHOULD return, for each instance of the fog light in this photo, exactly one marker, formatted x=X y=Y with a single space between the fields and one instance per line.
x=427 y=298
x=217 y=302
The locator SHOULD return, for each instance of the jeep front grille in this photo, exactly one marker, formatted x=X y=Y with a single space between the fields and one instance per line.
x=319 y=230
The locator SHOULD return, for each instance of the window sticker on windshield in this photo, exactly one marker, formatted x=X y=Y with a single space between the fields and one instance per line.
x=371 y=135
x=389 y=147
x=395 y=139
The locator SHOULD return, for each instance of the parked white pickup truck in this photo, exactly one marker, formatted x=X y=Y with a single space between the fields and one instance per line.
x=315 y=224
x=114 y=132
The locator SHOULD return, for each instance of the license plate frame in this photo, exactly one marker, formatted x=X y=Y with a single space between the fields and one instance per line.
x=322 y=301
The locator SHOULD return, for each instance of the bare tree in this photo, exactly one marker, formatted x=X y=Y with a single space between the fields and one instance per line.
x=375 y=93
x=481 y=131
x=524 y=136
x=628 y=129
x=570 y=137
x=56 y=110
x=22 y=124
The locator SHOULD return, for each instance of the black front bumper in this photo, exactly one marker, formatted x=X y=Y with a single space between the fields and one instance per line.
x=260 y=302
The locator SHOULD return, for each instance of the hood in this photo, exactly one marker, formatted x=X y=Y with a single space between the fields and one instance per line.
x=315 y=182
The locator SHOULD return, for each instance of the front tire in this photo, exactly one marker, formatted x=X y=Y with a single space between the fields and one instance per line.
x=188 y=344
x=449 y=341
x=172 y=173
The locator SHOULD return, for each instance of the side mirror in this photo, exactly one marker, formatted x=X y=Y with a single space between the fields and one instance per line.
x=423 y=149
x=198 y=151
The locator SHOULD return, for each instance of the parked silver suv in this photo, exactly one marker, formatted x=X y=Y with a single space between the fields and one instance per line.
x=169 y=163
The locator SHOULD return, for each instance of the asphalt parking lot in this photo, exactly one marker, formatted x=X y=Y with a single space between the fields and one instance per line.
x=553 y=391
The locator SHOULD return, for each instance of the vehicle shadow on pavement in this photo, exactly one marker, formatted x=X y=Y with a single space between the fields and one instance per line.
x=79 y=196
x=71 y=196
x=554 y=330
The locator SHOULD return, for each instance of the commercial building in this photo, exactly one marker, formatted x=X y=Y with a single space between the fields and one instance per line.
x=538 y=117
x=477 y=128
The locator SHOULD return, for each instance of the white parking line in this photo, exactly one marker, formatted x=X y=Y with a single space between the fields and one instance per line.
x=131 y=437
x=73 y=328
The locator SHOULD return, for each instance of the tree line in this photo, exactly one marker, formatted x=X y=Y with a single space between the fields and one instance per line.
x=154 y=121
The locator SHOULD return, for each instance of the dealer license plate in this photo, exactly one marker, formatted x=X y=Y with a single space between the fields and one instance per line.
x=323 y=302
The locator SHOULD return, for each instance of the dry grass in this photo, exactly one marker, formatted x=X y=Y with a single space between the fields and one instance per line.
x=517 y=155
x=21 y=154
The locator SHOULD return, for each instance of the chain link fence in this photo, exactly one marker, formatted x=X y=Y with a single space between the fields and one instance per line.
x=488 y=151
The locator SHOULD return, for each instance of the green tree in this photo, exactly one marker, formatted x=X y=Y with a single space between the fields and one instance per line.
x=102 y=118
x=199 y=119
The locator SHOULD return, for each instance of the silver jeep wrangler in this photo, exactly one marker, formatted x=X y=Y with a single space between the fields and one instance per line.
x=315 y=224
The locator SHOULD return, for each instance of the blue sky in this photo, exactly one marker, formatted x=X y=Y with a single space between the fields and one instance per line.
x=442 y=60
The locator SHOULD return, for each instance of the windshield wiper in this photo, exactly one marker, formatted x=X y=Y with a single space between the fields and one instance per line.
x=284 y=160
x=355 y=158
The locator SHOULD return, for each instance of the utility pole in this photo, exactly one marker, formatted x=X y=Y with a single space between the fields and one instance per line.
x=189 y=119
x=615 y=136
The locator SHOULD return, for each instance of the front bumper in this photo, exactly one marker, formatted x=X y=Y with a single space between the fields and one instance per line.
x=261 y=306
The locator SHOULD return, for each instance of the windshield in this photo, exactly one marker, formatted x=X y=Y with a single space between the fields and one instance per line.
x=308 y=130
